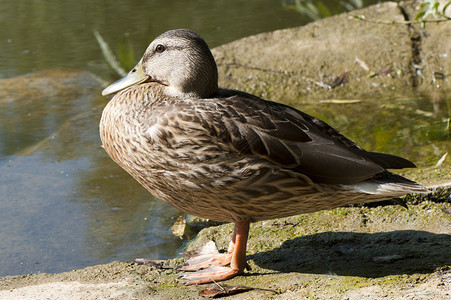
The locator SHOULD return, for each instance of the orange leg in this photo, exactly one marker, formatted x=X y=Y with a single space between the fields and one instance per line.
x=211 y=268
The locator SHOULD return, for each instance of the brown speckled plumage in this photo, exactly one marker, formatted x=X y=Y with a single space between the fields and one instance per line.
x=229 y=156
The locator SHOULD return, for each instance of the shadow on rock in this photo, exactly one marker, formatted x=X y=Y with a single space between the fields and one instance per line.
x=360 y=254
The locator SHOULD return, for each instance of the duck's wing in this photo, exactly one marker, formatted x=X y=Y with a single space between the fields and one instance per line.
x=291 y=139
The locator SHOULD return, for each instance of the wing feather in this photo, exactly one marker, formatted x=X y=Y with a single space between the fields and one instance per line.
x=291 y=139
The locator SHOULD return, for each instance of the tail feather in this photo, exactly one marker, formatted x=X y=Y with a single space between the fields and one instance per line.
x=389 y=161
x=389 y=185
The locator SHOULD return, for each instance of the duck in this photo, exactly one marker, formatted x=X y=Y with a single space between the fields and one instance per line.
x=230 y=156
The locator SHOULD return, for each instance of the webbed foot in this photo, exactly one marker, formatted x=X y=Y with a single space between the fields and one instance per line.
x=211 y=274
x=204 y=261
x=211 y=267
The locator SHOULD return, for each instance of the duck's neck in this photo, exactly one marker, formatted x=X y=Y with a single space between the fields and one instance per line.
x=193 y=83
x=188 y=93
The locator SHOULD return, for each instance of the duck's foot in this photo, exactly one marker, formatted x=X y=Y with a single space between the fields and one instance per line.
x=210 y=267
x=204 y=261
x=211 y=274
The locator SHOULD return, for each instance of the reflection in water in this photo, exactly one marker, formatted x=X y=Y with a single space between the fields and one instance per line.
x=64 y=204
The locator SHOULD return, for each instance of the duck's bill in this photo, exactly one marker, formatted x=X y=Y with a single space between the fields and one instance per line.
x=135 y=76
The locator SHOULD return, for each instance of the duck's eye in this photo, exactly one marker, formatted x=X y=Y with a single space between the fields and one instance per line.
x=160 y=48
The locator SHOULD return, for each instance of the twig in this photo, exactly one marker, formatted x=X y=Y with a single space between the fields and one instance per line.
x=220 y=286
x=339 y=101
x=362 y=18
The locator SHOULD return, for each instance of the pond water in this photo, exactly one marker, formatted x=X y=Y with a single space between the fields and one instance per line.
x=63 y=203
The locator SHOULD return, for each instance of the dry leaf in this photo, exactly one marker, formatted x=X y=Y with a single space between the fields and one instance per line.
x=362 y=64
x=441 y=160
x=178 y=229
x=340 y=80
x=224 y=291
x=384 y=72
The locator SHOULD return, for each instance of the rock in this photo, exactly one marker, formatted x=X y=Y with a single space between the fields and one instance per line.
x=379 y=60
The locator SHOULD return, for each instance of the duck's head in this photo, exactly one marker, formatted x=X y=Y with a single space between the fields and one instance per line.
x=180 y=60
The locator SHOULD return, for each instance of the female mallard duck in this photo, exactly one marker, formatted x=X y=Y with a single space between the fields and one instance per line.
x=230 y=156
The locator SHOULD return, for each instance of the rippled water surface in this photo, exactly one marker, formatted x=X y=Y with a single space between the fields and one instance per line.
x=63 y=203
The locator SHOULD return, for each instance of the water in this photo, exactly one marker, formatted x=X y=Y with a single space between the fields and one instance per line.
x=63 y=203
x=47 y=34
